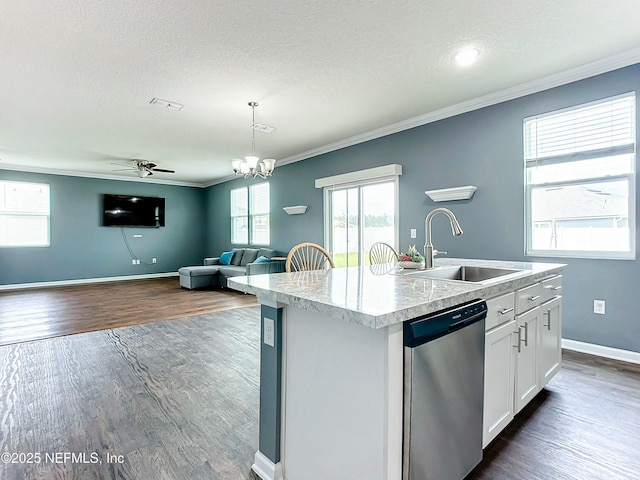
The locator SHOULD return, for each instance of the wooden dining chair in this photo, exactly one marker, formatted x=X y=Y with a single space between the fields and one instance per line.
x=381 y=252
x=308 y=256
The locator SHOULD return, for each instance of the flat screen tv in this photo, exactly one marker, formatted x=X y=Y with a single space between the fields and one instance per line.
x=132 y=211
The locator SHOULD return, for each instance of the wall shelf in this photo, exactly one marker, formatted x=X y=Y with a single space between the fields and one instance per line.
x=295 y=210
x=454 y=193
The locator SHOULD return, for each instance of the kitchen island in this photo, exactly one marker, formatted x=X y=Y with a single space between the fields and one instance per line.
x=331 y=380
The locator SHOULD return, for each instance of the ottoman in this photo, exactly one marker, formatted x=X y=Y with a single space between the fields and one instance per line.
x=198 y=276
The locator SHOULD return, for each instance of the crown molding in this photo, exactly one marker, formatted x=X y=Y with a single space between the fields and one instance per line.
x=228 y=178
x=101 y=176
x=608 y=64
x=599 y=67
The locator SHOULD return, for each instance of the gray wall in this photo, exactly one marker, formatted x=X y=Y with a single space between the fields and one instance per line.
x=82 y=248
x=482 y=148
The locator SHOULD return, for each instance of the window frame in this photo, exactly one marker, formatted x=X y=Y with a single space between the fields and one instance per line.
x=352 y=181
x=250 y=215
x=47 y=215
x=595 y=154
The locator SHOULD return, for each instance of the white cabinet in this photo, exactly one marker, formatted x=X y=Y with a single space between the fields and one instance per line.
x=527 y=385
x=522 y=350
x=549 y=340
x=551 y=288
x=499 y=360
x=499 y=311
x=528 y=297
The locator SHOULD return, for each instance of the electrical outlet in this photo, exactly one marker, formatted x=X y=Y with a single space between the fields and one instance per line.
x=133 y=261
x=599 y=307
x=154 y=260
x=137 y=261
x=269 y=332
x=414 y=234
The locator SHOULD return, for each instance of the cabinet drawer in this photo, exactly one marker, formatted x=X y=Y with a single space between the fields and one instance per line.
x=528 y=297
x=551 y=287
x=499 y=310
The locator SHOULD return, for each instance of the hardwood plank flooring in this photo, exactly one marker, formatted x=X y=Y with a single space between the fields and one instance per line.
x=32 y=314
x=585 y=425
x=179 y=400
x=176 y=399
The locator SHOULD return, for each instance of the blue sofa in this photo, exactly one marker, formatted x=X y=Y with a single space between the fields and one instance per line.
x=213 y=274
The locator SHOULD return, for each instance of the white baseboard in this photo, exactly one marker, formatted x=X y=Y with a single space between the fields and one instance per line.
x=265 y=468
x=82 y=281
x=601 y=351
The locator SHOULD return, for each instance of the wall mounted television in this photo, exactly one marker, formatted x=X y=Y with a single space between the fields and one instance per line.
x=132 y=211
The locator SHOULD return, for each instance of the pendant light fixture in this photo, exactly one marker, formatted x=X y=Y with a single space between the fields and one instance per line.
x=251 y=166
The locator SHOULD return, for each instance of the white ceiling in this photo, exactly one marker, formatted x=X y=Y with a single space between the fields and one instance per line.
x=77 y=76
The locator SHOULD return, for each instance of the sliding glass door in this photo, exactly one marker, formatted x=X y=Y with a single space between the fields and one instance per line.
x=356 y=216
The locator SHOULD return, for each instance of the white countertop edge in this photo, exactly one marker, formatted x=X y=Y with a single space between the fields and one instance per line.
x=536 y=272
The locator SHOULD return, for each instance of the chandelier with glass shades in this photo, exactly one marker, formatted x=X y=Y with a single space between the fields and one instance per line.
x=251 y=166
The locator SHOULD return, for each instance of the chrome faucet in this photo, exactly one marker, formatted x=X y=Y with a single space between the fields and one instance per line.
x=429 y=251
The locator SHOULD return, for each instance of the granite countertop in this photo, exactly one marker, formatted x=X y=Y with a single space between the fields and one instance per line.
x=374 y=298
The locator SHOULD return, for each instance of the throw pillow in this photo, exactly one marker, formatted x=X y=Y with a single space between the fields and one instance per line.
x=266 y=252
x=261 y=260
x=225 y=258
x=249 y=255
x=237 y=258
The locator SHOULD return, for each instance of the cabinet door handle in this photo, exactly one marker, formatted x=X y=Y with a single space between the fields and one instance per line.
x=534 y=298
x=559 y=287
x=526 y=334
x=548 y=314
x=519 y=340
x=505 y=311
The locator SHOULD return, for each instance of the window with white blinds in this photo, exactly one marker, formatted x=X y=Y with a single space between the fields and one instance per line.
x=250 y=207
x=580 y=180
x=240 y=216
x=24 y=214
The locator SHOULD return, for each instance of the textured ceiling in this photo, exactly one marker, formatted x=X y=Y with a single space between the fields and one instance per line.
x=78 y=75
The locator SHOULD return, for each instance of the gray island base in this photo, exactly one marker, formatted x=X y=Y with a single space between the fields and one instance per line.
x=332 y=368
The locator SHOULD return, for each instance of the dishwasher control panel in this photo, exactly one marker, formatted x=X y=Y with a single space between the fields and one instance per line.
x=435 y=325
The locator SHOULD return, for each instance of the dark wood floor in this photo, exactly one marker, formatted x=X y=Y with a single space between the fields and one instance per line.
x=176 y=400
x=584 y=426
x=32 y=314
x=179 y=400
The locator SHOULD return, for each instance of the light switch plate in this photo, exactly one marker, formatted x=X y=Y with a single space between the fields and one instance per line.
x=413 y=233
x=269 y=332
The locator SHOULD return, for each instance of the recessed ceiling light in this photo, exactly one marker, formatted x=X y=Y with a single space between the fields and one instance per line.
x=467 y=56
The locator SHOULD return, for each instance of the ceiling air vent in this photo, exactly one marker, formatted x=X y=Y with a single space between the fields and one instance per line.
x=166 y=104
x=263 y=128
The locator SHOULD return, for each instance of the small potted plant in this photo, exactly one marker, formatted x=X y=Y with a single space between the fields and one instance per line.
x=411 y=259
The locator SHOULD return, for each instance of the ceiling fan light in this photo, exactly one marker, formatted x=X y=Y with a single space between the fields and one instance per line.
x=235 y=164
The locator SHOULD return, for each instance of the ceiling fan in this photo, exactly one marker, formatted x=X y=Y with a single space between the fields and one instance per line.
x=143 y=168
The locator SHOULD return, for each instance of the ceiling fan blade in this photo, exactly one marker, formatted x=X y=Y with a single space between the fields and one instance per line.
x=123 y=165
x=162 y=170
x=125 y=170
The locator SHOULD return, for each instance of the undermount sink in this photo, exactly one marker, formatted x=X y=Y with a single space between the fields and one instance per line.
x=466 y=273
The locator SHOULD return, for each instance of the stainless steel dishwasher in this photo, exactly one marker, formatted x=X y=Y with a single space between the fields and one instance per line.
x=443 y=393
